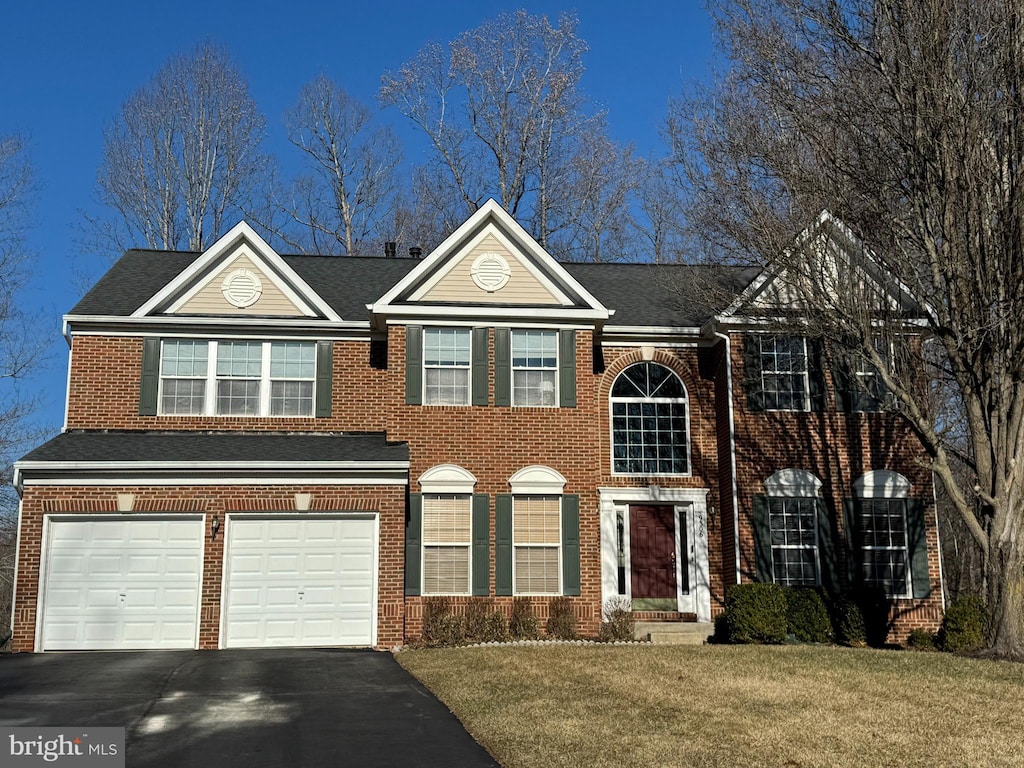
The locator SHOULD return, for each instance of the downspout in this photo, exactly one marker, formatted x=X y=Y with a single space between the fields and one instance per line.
x=67 y=384
x=938 y=545
x=732 y=449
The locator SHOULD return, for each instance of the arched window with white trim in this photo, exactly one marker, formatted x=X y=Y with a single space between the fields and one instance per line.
x=885 y=527
x=792 y=497
x=447 y=492
x=650 y=422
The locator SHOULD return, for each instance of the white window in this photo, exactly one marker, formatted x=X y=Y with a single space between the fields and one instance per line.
x=534 y=368
x=446 y=544
x=881 y=527
x=784 y=384
x=446 y=364
x=649 y=422
x=536 y=543
x=248 y=378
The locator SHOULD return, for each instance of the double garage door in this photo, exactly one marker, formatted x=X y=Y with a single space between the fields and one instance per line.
x=135 y=582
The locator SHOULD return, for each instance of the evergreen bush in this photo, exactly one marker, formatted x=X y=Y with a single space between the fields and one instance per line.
x=755 y=613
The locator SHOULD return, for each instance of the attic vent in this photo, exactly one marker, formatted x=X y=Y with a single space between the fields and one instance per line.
x=490 y=272
x=242 y=288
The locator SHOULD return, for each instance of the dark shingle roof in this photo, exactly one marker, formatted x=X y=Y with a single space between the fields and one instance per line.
x=256 y=447
x=641 y=294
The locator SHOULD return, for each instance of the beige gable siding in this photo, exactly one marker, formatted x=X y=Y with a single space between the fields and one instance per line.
x=521 y=288
x=210 y=301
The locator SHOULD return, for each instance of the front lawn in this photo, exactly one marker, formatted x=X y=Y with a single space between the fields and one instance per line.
x=793 y=706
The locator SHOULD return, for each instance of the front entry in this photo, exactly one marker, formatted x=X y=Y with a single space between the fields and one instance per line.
x=652 y=540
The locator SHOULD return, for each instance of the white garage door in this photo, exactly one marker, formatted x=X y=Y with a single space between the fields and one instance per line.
x=124 y=583
x=299 y=581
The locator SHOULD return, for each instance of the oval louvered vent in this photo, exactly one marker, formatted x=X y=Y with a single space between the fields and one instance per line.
x=490 y=272
x=242 y=288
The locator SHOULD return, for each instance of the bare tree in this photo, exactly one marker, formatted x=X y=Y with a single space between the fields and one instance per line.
x=350 y=191
x=660 y=223
x=504 y=114
x=904 y=119
x=182 y=159
x=21 y=350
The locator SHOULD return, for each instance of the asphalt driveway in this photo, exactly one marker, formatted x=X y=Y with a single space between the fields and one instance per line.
x=253 y=708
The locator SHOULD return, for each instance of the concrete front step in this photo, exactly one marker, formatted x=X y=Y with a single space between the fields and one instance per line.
x=674 y=632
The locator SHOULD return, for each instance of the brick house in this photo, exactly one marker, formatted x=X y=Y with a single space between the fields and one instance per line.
x=267 y=450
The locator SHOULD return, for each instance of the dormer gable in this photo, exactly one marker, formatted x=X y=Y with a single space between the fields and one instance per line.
x=239 y=275
x=490 y=266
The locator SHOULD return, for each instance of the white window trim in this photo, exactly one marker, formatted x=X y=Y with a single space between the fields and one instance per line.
x=537 y=480
x=467 y=545
x=468 y=367
x=211 y=379
x=611 y=428
x=513 y=367
x=816 y=547
x=806 y=372
x=448 y=480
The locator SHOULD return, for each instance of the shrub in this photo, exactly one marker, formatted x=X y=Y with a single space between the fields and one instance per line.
x=875 y=607
x=440 y=627
x=618 y=623
x=496 y=630
x=806 y=615
x=561 y=619
x=921 y=640
x=523 y=624
x=755 y=613
x=477 y=614
x=848 y=622
x=721 y=629
x=964 y=625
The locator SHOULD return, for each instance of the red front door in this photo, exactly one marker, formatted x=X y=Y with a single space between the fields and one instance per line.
x=652 y=549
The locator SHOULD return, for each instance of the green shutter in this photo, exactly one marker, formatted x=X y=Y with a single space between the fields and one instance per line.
x=503 y=544
x=815 y=375
x=324 y=377
x=481 y=364
x=762 y=540
x=413 y=365
x=853 y=553
x=842 y=380
x=502 y=367
x=413 y=539
x=567 y=369
x=919 y=572
x=150 y=383
x=570 y=544
x=828 y=553
x=752 y=384
x=481 y=544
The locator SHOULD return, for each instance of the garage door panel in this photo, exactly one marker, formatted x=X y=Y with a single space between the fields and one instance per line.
x=301 y=588
x=112 y=584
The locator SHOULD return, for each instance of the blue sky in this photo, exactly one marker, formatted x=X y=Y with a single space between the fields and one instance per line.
x=70 y=65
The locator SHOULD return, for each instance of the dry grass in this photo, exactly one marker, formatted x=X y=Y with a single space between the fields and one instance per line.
x=729 y=706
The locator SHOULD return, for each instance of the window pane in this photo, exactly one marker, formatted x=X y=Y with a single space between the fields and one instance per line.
x=238 y=397
x=783 y=372
x=184 y=358
x=240 y=358
x=183 y=396
x=445 y=570
x=447 y=386
x=794 y=540
x=291 y=398
x=446 y=346
x=534 y=349
x=536 y=520
x=533 y=388
x=292 y=360
x=884 y=542
x=536 y=570
x=446 y=519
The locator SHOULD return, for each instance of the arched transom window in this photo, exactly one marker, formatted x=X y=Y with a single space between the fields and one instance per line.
x=650 y=422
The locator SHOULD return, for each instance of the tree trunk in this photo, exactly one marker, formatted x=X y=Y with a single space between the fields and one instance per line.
x=1005 y=577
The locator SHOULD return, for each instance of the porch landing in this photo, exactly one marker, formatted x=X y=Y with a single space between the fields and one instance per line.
x=677 y=632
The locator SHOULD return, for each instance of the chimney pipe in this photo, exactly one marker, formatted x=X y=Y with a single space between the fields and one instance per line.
x=415 y=251
x=390 y=249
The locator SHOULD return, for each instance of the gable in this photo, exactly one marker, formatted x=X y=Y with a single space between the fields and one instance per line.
x=239 y=275
x=490 y=266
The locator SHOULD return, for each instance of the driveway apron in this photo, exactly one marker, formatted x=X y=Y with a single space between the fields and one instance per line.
x=251 y=708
